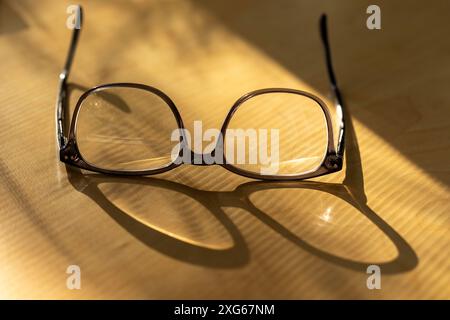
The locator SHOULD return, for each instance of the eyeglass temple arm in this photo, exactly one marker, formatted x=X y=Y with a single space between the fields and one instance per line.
x=334 y=87
x=61 y=101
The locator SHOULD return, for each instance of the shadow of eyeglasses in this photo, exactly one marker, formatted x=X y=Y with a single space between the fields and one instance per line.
x=351 y=191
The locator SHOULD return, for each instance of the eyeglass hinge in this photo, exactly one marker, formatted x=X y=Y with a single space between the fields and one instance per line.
x=333 y=162
x=68 y=154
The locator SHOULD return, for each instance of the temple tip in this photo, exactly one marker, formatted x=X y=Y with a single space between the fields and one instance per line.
x=323 y=26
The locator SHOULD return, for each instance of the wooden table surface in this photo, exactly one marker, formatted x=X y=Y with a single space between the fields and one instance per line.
x=203 y=232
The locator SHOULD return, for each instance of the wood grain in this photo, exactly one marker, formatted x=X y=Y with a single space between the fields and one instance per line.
x=202 y=232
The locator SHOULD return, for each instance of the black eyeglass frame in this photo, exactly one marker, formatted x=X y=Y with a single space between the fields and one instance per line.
x=70 y=154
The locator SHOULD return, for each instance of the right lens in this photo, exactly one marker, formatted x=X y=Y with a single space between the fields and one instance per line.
x=125 y=129
x=278 y=134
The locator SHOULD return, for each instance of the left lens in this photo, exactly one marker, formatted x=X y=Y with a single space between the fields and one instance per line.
x=125 y=129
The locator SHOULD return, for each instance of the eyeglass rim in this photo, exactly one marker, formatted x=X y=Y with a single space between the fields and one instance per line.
x=323 y=168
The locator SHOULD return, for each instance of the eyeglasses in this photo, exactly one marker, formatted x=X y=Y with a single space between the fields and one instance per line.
x=135 y=129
